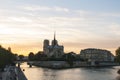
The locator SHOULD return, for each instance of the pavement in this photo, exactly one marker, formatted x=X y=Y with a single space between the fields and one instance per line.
x=9 y=73
x=12 y=73
x=21 y=75
x=0 y=75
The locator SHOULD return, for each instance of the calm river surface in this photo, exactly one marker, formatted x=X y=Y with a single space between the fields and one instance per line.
x=38 y=73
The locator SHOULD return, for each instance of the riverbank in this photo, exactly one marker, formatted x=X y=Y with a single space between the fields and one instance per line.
x=84 y=73
x=12 y=73
x=75 y=64
x=21 y=75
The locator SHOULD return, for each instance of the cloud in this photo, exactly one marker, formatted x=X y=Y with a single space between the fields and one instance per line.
x=61 y=9
x=45 y=8
x=36 y=8
x=114 y=28
x=75 y=28
x=19 y=19
x=112 y=14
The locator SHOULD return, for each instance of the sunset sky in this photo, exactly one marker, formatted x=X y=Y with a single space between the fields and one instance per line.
x=79 y=24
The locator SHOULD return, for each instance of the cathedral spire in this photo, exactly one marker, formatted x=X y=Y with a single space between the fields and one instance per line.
x=54 y=35
x=54 y=42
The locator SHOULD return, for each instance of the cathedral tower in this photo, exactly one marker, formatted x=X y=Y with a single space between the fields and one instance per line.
x=45 y=46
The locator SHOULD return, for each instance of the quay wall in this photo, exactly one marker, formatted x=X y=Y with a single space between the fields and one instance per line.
x=12 y=73
x=59 y=64
x=64 y=64
x=20 y=74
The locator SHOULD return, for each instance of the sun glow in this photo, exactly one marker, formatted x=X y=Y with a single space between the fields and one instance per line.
x=24 y=25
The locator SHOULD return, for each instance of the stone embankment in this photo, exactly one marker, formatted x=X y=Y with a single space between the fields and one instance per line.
x=12 y=73
x=64 y=64
x=21 y=75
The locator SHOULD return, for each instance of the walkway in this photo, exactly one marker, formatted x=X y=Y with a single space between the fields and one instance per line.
x=12 y=73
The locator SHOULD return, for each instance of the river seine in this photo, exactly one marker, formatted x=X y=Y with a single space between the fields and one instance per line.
x=38 y=73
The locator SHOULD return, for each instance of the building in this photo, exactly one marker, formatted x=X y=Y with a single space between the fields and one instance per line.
x=54 y=50
x=96 y=55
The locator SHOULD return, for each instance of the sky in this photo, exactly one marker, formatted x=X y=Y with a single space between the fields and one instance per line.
x=79 y=24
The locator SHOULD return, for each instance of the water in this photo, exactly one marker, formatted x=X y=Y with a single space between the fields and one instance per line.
x=37 y=73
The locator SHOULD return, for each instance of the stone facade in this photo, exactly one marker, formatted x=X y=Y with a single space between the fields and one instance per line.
x=54 y=50
x=96 y=55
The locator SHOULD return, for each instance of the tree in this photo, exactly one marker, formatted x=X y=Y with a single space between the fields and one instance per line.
x=43 y=57
x=118 y=54
x=21 y=57
x=69 y=57
x=40 y=56
x=31 y=56
x=6 y=57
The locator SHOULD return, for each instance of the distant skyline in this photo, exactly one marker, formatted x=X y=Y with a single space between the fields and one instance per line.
x=79 y=24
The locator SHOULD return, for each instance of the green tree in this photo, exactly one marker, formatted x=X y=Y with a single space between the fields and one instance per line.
x=31 y=56
x=21 y=57
x=118 y=54
x=70 y=58
x=6 y=57
x=43 y=57
x=40 y=56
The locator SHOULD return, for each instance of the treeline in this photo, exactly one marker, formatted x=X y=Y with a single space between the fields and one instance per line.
x=6 y=57
x=40 y=56
x=68 y=57
x=117 y=57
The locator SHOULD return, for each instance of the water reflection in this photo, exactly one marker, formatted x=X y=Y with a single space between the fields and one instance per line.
x=36 y=73
x=49 y=74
